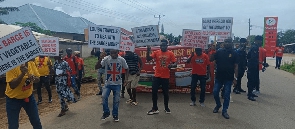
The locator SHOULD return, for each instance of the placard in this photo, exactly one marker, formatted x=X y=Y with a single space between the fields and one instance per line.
x=17 y=48
x=146 y=35
x=126 y=44
x=194 y=38
x=107 y=37
x=270 y=35
x=49 y=45
x=221 y=26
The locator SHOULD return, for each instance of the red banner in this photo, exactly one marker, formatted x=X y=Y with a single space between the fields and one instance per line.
x=181 y=53
x=270 y=35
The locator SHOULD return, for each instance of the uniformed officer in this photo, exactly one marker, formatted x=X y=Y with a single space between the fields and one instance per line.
x=242 y=66
x=253 y=67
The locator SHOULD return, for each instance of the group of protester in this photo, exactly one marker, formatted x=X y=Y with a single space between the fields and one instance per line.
x=38 y=71
x=117 y=70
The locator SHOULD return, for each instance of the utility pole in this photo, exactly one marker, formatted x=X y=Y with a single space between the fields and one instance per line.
x=159 y=19
x=249 y=27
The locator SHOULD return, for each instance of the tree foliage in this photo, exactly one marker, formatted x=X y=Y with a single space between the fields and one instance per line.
x=34 y=27
x=286 y=37
x=6 y=10
x=174 y=40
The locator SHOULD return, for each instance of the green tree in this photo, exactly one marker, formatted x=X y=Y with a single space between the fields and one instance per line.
x=251 y=38
x=6 y=10
x=286 y=37
x=172 y=39
x=236 y=40
x=34 y=27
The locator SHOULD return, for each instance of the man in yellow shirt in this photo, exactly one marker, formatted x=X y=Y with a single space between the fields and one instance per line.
x=19 y=93
x=44 y=65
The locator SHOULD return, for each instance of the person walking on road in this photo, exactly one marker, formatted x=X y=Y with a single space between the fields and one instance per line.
x=199 y=61
x=279 y=55
x=19 y=94
x=62 y=69
x=44 y=66
x=135 y=65
x=113 y=65
x=165 y=60
x=226 y=74
x=242 y=66
x=81 y=72
x=253 y=67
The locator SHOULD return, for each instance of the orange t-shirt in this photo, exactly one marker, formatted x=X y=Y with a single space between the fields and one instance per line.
x=199 y=64
x=80 y=62
x=262 y=55
x=122 y=53
x=163 y=59
x=279 y=51
x=71 y=63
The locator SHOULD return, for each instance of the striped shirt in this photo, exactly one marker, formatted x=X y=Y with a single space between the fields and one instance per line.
x=132 y=62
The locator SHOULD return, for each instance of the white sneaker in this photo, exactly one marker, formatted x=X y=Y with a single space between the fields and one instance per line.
x=152 y=112
x=202 y=104
x=192 y=104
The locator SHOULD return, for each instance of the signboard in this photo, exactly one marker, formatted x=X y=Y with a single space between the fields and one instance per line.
x=49 y=45
x=146 y=35
x=17 y=48
x=107 y=37
x=180 y=78
x=194 y=38
x=218 y=26
x=270 y=35
x=126 y=44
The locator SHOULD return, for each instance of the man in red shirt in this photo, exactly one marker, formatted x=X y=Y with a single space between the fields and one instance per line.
x=81 y=72
x=279 y=55
x=165 y=60
x=200 y=62
x=72 y=61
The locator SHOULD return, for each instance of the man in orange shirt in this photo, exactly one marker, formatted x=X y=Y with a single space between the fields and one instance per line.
x=200 y=62
x=72 y=61
x=279 y=55
x=81 y=72
x=164 y=61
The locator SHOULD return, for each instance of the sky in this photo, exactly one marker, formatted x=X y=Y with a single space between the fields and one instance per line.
x=176 y=15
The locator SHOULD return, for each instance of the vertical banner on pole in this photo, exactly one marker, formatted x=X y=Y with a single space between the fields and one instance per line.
x=270 y=35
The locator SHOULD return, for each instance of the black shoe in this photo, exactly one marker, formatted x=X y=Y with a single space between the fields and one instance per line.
x=234 y=90
x=225 y=115
x=105 y=116
x=253 y=95
x=275 y=67
x=78 y=97
x=279 y=68
x=241 y=90
x=39 y=101
x=116 y=119
x=238 y=92
x=49 y=100
x=122 y=95
x=216 y=109
x=251 y=98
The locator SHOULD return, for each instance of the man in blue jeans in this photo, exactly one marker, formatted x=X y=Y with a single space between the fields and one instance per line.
x=19 y=94
x=227 y=66
x=113 y=65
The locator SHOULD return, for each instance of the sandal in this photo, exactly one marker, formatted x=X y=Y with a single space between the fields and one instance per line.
x=129 y=101
x=134 y=103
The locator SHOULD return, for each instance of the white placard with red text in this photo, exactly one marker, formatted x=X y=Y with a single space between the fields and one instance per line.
x=18 y=48
x=49 y=45
x=218 y=26
x=126 y=44
x=194 y=38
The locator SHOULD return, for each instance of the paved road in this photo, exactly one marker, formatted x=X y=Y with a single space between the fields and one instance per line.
x=274 y=109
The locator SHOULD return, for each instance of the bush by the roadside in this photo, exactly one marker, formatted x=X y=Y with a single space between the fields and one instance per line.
x=289 y=67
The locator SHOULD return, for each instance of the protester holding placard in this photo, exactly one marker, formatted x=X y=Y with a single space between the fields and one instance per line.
x=200 y=62
x=81 y=72
x=165 y=60
x=122 y=54
x=135 y=65
x=72 y=61
x=19 y=94
x=44 y=66
x=62 y=69
x=113 y=65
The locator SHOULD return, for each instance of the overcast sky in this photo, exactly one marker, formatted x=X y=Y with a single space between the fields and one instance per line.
x=179 y=14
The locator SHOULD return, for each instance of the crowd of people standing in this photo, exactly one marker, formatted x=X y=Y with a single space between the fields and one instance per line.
x=117 y=70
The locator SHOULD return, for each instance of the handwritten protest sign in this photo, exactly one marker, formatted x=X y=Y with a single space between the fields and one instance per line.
x=194 y=38
x=17 y=48
x=221 y=26
x=126 y=44
x=107 y=37
x=49 y=45
x=146 y=35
